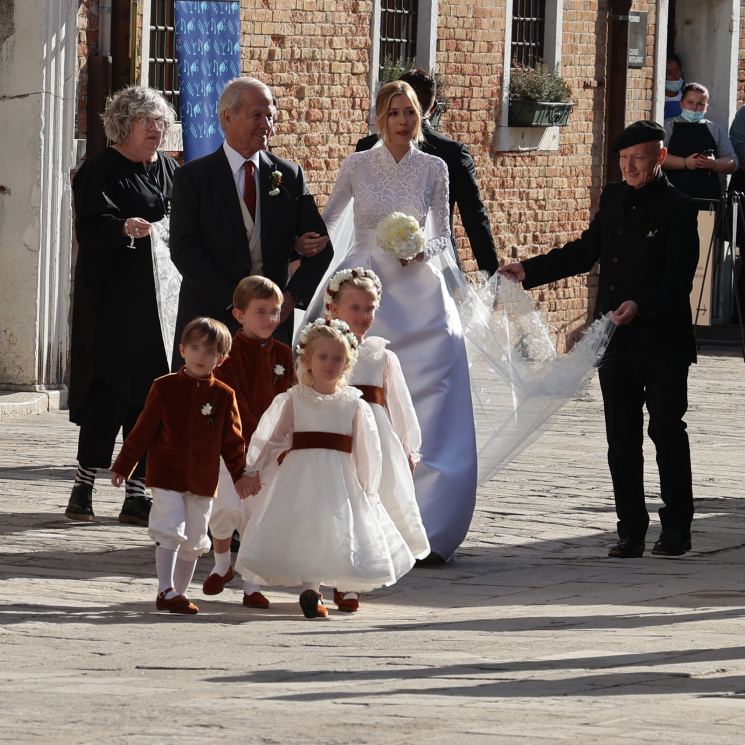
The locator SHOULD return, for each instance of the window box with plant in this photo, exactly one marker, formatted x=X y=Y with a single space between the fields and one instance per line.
x=539 y=97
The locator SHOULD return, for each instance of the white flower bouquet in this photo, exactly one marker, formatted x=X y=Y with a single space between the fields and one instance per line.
x=399 y=235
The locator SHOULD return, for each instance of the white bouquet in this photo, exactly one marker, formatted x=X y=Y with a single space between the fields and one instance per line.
x=399 y=235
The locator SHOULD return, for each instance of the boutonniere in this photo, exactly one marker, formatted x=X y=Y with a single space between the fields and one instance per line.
x=275 y=180
x=207 y=411
x=279 y=371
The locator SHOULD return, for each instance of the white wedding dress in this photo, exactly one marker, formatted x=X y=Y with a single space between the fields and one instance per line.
x=419 y=317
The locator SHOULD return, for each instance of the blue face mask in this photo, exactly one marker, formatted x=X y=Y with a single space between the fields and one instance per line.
x=673 y=86
x=692 y=116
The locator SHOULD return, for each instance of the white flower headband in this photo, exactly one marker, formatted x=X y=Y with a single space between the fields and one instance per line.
x=345 y=275
x=334 y=323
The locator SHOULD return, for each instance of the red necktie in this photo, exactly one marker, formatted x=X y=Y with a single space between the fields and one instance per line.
x=249 y=189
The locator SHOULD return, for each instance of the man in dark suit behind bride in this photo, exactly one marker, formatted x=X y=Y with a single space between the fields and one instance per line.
x=461 y=173
x=241 y=211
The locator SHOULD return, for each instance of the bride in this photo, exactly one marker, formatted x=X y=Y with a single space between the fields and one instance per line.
x=417 y=314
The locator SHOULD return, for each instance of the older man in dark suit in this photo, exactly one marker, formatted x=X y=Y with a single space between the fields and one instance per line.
x=644 y=237
x=464 y=190
x=241 y=211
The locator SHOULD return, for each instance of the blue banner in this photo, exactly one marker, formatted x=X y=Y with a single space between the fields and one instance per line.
x=209 y=55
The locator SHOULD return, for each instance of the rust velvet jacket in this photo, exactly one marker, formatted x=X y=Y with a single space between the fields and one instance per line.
x=186 y=425
x=250 y=372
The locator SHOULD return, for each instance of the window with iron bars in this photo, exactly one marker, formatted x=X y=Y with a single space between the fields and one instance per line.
x=528 y=31
x=398 y=30
x=162 y=62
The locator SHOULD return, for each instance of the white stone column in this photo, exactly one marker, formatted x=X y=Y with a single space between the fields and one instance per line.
x=37 y=116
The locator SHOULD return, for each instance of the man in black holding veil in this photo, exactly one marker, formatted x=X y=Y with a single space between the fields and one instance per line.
x=645 y=237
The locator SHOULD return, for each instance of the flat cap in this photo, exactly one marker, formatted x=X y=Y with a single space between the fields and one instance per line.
x=644 y=130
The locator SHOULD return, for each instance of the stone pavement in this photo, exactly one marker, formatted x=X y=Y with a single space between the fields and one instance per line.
x=530 y=636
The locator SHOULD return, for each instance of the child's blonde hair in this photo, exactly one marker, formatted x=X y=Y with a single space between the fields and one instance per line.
x=323 y=328
x=255 y=288
x=214 y=332
x=358 y=278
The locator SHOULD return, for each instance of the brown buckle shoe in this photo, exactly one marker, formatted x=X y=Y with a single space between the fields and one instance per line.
x=348 y=605
x=312 y=605
x=215 y=584
x=177 y=604
x=255 y=600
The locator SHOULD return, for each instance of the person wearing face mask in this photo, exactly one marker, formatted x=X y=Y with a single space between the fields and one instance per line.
x=700 y=153
x=673 y=85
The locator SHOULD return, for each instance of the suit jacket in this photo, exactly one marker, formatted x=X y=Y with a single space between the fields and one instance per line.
x=646 y=241
x=463 y=190
x=209 y=245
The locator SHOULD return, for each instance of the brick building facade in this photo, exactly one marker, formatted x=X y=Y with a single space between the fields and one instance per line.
x=320 y=57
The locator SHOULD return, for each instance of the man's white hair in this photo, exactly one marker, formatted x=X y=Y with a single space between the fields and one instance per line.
x=231 y=98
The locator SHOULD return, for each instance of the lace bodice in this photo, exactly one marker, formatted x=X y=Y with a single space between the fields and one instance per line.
x=417 y=185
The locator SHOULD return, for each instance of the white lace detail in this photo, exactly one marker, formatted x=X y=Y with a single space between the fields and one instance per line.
x=417 y=185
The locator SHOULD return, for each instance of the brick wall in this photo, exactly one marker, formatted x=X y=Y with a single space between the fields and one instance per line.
x=87 y=44
x=314 y=54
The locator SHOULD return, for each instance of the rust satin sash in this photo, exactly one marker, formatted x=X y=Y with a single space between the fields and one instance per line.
x=325 y=440
x=373 y=394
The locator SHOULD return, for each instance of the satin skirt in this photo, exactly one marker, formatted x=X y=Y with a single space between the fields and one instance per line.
x=419 y=317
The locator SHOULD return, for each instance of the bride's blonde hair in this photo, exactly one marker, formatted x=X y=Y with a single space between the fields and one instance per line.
x=329 y=329
x=383 y=104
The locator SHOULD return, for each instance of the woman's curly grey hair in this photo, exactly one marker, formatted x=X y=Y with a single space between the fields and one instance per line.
x=130 y=103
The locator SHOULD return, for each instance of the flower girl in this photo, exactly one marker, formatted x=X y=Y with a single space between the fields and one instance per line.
x=353 y=296
x=319 y=519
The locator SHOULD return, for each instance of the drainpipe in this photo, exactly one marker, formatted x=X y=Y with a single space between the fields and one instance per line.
x=616 y=81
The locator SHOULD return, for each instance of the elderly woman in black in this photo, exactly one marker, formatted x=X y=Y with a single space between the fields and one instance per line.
x=117 y=345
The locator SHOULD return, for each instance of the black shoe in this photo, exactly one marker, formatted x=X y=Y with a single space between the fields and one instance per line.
x=135 y=511
x=80 y=506
x=432 y=560
x=627 y=548
x=235 y=542
x=664 y=547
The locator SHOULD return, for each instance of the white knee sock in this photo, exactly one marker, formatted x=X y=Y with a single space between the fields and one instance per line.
x=182 y=574
x=222 y=563
x=165 y=561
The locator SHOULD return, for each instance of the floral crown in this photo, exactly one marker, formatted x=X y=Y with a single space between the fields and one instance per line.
x=343 y=276
x=333 y=323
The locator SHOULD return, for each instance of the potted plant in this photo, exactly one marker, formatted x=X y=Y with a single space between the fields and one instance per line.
x=539 y=97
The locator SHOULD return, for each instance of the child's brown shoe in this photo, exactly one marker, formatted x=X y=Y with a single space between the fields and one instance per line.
x=348 y=605
x=255 y=600
x=215 y=583
x=312 y=605
x=176 y=604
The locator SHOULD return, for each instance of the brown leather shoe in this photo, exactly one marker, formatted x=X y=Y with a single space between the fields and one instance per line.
x=255 y=600
x=215 y=584
x=312 y=605
x=348 y=605
x=177 y=604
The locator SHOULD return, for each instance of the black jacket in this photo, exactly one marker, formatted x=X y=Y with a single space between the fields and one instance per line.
x=646 y=241
x=209 y=245
x=463 y=190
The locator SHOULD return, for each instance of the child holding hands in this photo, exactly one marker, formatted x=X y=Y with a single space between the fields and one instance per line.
x=257 y=369
x=190 y=420
x=353 y=295
x=319 y=519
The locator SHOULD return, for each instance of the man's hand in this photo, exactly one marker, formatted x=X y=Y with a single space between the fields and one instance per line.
x=117 y=479
x=625 y=313
x=310 y=244
x=288 y=306
x=514 y=271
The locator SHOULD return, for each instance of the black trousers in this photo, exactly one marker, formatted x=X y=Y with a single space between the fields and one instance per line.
x=104 y=414
x=628 y=385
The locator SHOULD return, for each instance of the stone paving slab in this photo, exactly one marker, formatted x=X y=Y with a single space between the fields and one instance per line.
x=530 y=636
